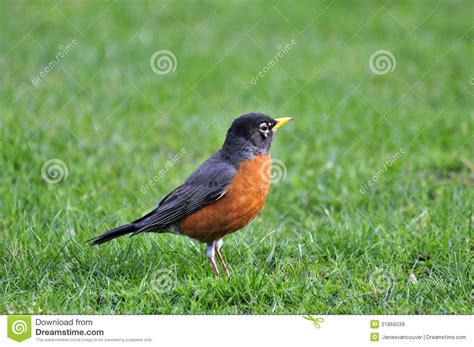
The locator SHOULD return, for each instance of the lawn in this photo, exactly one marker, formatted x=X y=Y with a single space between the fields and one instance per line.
x=371 y=208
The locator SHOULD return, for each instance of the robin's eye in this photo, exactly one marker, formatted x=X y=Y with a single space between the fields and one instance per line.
x=264 y=127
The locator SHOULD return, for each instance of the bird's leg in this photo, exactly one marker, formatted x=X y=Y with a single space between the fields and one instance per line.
x=210 y=255
x=218 y=245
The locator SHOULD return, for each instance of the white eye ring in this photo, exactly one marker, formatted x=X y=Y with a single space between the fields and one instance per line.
x=264 y=127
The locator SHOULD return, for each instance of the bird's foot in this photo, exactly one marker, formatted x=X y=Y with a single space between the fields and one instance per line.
x=210 y=255
x=214 y=266
x=219 y=256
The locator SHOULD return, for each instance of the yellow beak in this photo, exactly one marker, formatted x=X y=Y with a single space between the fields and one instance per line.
x=281 y=122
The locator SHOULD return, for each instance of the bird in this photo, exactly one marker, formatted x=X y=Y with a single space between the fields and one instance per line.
x=224 y=194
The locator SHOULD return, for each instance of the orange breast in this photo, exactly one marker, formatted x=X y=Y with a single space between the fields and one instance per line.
x=241 y=203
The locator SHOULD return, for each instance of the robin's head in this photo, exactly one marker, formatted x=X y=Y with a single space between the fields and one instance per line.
x=253 y=132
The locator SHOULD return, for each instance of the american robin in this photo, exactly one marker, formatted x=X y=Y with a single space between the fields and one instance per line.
x=221 y=196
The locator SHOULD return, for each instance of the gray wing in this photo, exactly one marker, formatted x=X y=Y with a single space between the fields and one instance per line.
x=207 y=184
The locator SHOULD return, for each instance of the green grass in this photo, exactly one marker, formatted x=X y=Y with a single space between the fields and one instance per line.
x=320 y=244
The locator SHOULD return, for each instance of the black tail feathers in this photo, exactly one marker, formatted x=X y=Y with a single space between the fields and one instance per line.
x=114 y=233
